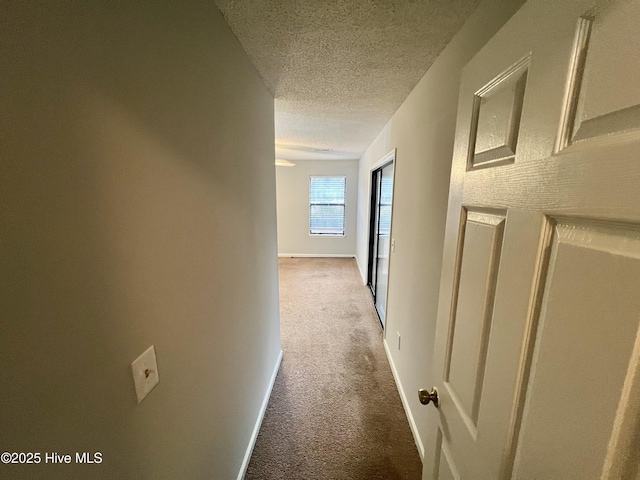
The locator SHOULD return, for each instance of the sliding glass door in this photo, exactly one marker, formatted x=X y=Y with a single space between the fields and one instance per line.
x=380 y=236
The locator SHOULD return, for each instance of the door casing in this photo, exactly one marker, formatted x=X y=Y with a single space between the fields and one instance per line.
x=389 y=158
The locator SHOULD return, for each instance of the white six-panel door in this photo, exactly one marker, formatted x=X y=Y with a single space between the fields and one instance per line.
x=537 y=358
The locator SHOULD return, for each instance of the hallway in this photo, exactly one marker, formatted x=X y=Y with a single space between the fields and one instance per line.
x=335 y=412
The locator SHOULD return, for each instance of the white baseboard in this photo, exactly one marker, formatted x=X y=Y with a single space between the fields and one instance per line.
x=317 y=255
x=256 y=428
x=362 y=274
x=405 y=402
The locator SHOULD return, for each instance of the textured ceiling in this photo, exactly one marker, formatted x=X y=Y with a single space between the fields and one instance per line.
x=340 y=69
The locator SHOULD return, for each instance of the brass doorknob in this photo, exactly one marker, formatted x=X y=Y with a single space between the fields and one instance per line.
x=426 y=396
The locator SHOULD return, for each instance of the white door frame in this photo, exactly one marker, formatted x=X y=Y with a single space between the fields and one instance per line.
x=389 y=157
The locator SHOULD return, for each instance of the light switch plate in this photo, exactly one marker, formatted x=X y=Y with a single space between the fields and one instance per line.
x=145 y=373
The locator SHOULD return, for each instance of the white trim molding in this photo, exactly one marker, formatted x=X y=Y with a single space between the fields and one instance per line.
x=256 y=428
x=318 y=255
x=362 y=273
x=405 y=402
x=391 y=156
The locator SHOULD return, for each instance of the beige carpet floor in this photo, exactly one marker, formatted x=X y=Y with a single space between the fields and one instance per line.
x=334 y=412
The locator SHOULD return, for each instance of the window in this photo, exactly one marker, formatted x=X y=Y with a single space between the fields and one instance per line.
x=326 y=205
x=386 y=192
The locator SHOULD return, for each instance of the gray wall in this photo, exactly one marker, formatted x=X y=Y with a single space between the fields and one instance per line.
x=293 y=209
x=137 y=207
x=422 y=130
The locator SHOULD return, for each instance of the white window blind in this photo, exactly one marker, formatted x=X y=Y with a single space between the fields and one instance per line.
x=386 y=192
x=327 y=205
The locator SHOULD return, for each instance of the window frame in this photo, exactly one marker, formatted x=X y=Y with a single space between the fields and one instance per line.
x=343 y=204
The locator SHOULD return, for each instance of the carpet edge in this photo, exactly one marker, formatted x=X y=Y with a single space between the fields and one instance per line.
x=405 y=402
x=256 y=428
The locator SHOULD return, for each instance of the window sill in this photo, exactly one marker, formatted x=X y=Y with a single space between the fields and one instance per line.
x=319 y=235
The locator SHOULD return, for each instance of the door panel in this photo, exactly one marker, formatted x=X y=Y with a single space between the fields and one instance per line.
x=446 y=471
x=592 y=284
x=382 y=275
x=471 y=323
x=599 y=106
x=383 y=235
x=496 y=117
x=537 y=350
x=481 y=448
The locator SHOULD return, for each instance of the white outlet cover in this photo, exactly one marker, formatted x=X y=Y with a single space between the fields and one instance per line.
x=145 y=373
